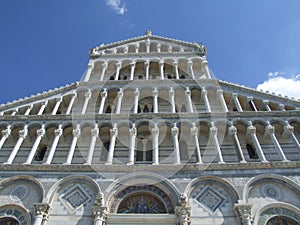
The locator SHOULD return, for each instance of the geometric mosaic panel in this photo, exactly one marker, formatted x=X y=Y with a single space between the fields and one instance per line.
x=210 y=198
x=75 y=197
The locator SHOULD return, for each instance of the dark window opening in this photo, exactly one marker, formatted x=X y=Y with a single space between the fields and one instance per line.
x=108 y=109
x=251 y=152
x=146 y=109
x=39 y=155
x=111 y=78
x=125 y=78
x=104 y=151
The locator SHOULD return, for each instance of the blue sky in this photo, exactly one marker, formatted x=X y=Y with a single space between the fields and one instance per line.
x=45 y=44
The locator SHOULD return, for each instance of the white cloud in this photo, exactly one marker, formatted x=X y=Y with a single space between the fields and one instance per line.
x=281 y=85
x=117 y=6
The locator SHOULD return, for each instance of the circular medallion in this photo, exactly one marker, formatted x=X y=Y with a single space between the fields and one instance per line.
x=18 y=193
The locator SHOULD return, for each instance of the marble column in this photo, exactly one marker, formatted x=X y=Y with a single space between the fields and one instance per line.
x=119 y=101
x=148 y=45
x=28 y=110
x=40 y=134
x=190 y=63
x=22 y=135
x=118 y=67
x=213 y=133
x=183 y=211
x=113 y=137
x=172 y=100
x=158 y=47
x=251 y=130
x=76 y=133
x=194 y=133
x=155 y=101
x=42 y=212
x=132 y=67
x=42 y=108
x=189 y=100
x=132 y=133
x=56 y=106
x=161 y=70
x=237 y=102
x=266 y=105
x=136 y=100
x=99 y=210
x=14 y=112
x=104 y=67
x=175 y=132
x=205 y=99
x=289 y=130
x=270 y=130
x=244 y=212
x=89 y=71
x=175 y=64
x=137 y=46
x=146 y=64
x=87 y=96
x=71 y=103
x=57 y=133
x=222 y=100
x=94 y=136
x=251 y=103
x=5 y=134
x=205 y=64
x=155 y=133
x=232 y=131
x=102 y=103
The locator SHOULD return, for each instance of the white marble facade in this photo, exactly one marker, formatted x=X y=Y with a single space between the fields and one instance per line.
x=149 y=136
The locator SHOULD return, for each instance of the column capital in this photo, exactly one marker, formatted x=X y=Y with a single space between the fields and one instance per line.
x=42 y=209
x=190 y=62
x=155 y=92
x=155 y=130
x=88 y=94
x=183 y=211
x=95 y=131
x=58 y=98
x=23 y=133
x=76 y=132
x=232 y=130
x=41 y=131
x=175 y=63
x=174 y=129
x=58 y=132
x=136 y=92
x=204 y=62
x=194 y=130
x=91 y=64
x=204 y=91
x=114 y=131
x=244 y=211
x=188 y=91
x=118 y=65
x=132 y=131
x=161 y=63
x=213 y=130
x=6 y=132
x=234 y=95
x=170 y=48
x=132 y=64
x=104 y=93
x=251 y=129
x=288 y=129
x=44 y=103
x=120 y=93
x=104 y=65
x=146 y=63
x=270 y=129
x=219 y=91
x=171 y=91
x=125 y=49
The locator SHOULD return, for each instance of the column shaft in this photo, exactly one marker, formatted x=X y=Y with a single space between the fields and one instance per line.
x=155 y=132
x=113 y=136
x=147 y=70
x=94 y=135
x=222 y=100
x=172 y=100
x=87 y=95
x=119 y=103
x=104 y=66
x=136 y=100
x=175 y=64
x=57 y=134
x=71 y=104
x=40 y=134
x=132 y=133
x=43 y=106
x=5 y=135
x=76 y=134
x=213 y=131
x=155 y=100
x=194 y=133
x=190 y=63
x=189 y=100
x=89 y=71
x=252 y=130
x=22 y=136
x=161 y=70
x=205 y=98
x=232 y=131
x=237 y=102
x=28 y=110
x=58 y=101
x=175 y=131
x=118 y=71
x=132 y=67
x=102 y=103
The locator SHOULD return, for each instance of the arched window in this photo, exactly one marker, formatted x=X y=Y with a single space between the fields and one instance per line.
x=251 y=152
x=142 y=203
x=8 y=221
x=280 y=220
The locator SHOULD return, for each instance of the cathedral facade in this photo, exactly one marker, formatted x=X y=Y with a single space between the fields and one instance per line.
x=149 y=136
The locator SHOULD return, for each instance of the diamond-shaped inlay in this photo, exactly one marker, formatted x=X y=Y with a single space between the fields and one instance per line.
x=210 y=198
x=75 y=197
